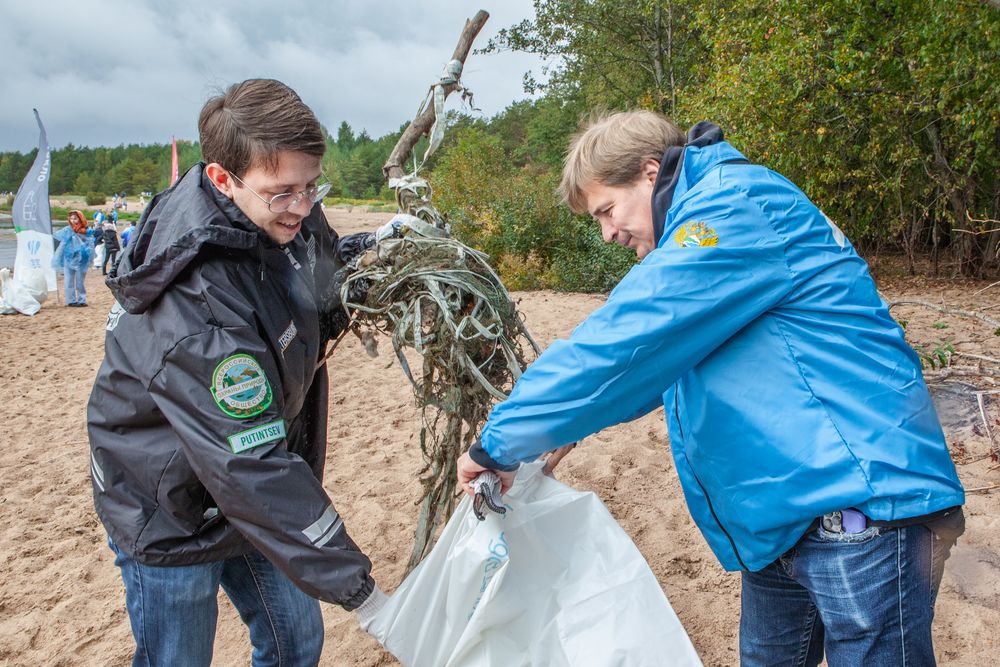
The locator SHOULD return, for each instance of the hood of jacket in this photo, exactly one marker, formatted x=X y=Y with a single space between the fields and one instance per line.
x=682 y=166
x=175 y=228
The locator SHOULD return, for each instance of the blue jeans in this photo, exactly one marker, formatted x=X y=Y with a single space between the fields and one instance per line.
x=76 y=290
x=173 y=611
x=864 y=598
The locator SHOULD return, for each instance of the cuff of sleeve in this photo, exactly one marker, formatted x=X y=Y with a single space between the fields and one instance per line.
x=358 y=598
x=370 y=608
x=479 y=455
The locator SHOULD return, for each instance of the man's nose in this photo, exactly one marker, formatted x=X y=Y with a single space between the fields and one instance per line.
x=302 y=207
x=608 y=232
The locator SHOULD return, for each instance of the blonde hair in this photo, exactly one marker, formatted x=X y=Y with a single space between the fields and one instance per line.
x=610 y=149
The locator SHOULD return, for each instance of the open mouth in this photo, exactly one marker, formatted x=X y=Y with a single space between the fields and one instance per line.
x=291 y=227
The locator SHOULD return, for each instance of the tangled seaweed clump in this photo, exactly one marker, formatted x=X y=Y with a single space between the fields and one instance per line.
x=441 y=298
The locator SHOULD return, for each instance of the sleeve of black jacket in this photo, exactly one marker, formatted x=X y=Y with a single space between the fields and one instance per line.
x=268 y=493
x=330 y=277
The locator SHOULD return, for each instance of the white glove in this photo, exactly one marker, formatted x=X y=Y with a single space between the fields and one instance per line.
x=368 y=610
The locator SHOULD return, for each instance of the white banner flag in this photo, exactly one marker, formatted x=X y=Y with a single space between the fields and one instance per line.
x=33 y=220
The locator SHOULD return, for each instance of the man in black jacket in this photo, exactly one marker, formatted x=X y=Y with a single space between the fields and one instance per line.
x=208 y=417
x=109 y=236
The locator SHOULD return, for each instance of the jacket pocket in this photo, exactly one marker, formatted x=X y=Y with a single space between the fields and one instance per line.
x=181 y=497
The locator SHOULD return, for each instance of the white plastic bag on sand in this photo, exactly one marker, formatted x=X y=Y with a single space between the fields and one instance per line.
x=554 y=582
x=33 y=280
x=15 y=297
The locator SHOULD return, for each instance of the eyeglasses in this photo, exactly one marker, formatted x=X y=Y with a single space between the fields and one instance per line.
x=286 y=200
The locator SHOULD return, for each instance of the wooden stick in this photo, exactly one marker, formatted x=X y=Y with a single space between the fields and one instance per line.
x=983 y=489
x=419 y=126
x=980 y=357
x=986 y=288
x=948 y=311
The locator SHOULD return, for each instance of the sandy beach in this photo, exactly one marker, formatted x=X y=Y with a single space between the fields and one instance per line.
x=62 y=601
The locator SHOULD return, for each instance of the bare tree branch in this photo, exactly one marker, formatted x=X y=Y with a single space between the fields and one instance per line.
x=393 y=167
x=948 y=311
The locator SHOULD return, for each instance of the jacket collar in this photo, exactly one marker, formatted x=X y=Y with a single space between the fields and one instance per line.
x=683 y=166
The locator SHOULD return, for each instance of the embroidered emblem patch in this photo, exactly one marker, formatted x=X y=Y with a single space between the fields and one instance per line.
x=696 y=234
x=257 y=436
x=240 y=387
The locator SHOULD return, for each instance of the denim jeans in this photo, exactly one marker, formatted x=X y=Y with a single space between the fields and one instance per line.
x=109 y=257
x=864 y=598
x=173 y=611
x=76 y=290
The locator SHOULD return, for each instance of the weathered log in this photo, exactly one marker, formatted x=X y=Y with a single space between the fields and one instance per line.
x=419 y=126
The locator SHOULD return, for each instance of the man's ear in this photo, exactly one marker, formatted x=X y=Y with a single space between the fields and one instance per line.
x=220 y=178
x=649 y=169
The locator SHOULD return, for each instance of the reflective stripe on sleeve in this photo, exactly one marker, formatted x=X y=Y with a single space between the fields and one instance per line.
x=325 y=527
x=95 y=468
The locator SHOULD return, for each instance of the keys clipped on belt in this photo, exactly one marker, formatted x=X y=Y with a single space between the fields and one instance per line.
x=844 y=521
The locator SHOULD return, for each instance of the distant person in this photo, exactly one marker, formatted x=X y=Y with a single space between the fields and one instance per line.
x=99 y=217
x=127 y=234
x=111 y=246
x=73 y=255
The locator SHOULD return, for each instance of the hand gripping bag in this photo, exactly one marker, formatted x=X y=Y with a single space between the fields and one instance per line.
x=554 y=582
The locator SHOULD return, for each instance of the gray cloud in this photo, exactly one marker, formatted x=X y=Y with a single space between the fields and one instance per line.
x=115 y=71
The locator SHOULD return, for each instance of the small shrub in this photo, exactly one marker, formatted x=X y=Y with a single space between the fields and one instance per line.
x=95 y=199
x=527 y=273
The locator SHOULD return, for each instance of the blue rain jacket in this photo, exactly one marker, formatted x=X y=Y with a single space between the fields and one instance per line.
x=789 y=390
x=75 y=251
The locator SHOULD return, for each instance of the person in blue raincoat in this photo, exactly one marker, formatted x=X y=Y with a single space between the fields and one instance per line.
x=73 y=256
x=804 y=436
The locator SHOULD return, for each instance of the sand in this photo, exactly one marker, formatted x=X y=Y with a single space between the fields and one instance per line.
x=62 y=601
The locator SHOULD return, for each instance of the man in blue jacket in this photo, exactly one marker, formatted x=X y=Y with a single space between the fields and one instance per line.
x=803 y=433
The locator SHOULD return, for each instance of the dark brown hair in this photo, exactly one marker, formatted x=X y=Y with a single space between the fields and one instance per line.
x=251 y=122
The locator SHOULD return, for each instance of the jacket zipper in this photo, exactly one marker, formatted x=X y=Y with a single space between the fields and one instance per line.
x=677 y=416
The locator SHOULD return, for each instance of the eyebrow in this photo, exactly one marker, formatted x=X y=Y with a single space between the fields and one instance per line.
x=597 y=210
x=287 y=187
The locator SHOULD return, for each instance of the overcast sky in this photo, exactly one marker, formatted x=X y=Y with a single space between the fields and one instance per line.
x=108 y=72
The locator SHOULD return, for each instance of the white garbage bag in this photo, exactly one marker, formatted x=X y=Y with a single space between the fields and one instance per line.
x=99 y=256
x=554 y=582
x=15 y=297
x=34 y=281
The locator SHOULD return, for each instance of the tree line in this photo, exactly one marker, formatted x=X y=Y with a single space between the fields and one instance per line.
x=353 y=163
x=885 y=112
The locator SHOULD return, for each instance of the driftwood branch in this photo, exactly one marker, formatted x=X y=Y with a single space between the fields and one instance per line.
x=419 y=126
x=947 y=311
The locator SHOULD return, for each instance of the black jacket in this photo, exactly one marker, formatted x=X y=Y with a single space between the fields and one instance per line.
x=110 y=239
x=208 y=417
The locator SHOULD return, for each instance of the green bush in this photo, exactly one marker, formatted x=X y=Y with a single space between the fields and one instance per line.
x=95 y=199
x=514 y=216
